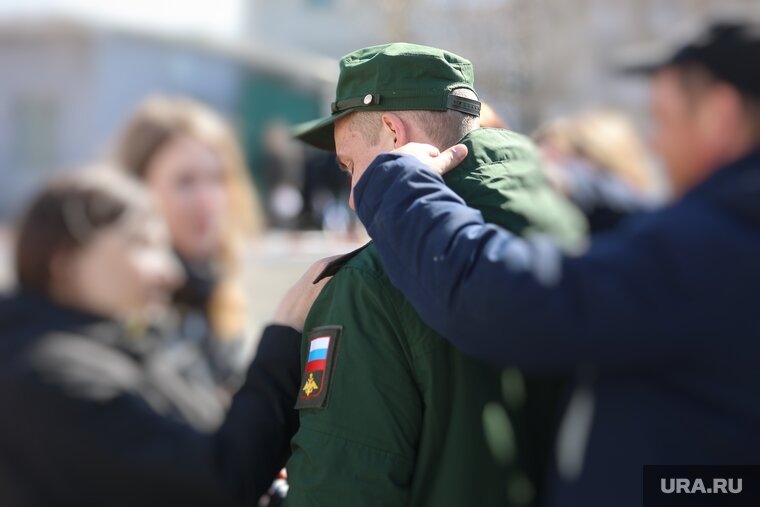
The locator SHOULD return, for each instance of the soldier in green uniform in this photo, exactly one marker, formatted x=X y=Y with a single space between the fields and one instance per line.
x=390 y=413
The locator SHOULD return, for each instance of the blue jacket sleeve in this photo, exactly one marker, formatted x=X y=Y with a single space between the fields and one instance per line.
x=509 y=300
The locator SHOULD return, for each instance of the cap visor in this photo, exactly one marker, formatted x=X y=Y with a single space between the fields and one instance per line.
x=320 y=132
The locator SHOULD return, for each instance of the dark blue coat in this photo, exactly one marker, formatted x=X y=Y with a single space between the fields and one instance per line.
x=662 y=316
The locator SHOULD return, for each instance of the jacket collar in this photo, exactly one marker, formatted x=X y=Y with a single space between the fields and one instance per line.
x=26 y=315
x=24 y=306
x=488 y=149
x=735 y=187
x=334 y=266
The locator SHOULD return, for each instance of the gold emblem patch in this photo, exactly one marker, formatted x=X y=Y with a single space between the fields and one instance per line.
x=310 y=386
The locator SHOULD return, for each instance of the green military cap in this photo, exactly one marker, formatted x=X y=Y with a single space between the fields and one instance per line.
x=394 y=77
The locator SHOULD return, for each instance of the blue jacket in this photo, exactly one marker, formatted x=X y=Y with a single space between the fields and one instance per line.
x=661 y=316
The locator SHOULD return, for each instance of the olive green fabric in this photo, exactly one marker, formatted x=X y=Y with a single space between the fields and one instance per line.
x=519 y=198
x=408 y=419
x=392 y=77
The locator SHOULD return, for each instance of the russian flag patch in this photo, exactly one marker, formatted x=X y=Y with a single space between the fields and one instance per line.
x=323 y=342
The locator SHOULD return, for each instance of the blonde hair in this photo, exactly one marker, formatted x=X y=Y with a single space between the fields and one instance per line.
x=158 y=121
x=490 y=119
x=607 y=138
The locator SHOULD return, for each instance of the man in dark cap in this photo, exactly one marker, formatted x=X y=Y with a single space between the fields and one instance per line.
x=707 y=91
x=390 y=413
x=661 y=315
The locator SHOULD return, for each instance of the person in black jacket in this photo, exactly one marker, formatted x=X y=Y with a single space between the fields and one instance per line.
x=92 y=413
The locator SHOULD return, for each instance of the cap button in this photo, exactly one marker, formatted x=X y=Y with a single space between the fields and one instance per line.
x=368 y=99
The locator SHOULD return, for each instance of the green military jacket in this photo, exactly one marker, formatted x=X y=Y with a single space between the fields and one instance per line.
x=390 y=413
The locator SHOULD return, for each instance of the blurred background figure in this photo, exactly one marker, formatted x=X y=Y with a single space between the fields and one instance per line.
x=326 y=194
x=96 y=273
x=305 y=189
x=490 y=118
x=97 y=410
x=283 y=168
x=191 y=162
x=94 y=245
x=597 y=159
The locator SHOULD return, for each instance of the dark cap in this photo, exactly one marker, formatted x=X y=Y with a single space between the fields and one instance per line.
x=729 y=50
x=394 y=77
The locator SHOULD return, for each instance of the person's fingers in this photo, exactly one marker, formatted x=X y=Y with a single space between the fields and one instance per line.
x=437 y=161
x=328 y=260
x=321 y=264
x=432 y=150
x=420 y=150
x=318 y=267
x=320 y=284
x=297 y=301
x=449 y=158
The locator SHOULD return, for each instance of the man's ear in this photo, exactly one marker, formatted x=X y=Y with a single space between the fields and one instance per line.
x=395 y=129
x=722 y=116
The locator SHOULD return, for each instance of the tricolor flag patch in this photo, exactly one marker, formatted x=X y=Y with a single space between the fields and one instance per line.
x=323 y=342
x=317 y=359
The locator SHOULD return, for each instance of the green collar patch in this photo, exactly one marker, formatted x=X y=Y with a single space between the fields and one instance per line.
x=334 y=266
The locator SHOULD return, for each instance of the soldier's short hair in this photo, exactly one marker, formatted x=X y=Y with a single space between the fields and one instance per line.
x=443 y=128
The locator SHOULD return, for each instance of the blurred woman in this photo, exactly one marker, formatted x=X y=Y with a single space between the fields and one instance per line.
x=192 y=163
x=597 y=159
x=93 y=412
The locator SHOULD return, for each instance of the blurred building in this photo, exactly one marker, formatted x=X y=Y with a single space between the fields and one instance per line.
x=330 y=27
x=534 y=59
x=68 y=85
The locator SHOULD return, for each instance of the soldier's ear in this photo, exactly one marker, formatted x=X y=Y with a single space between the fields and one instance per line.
x=395 y=129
